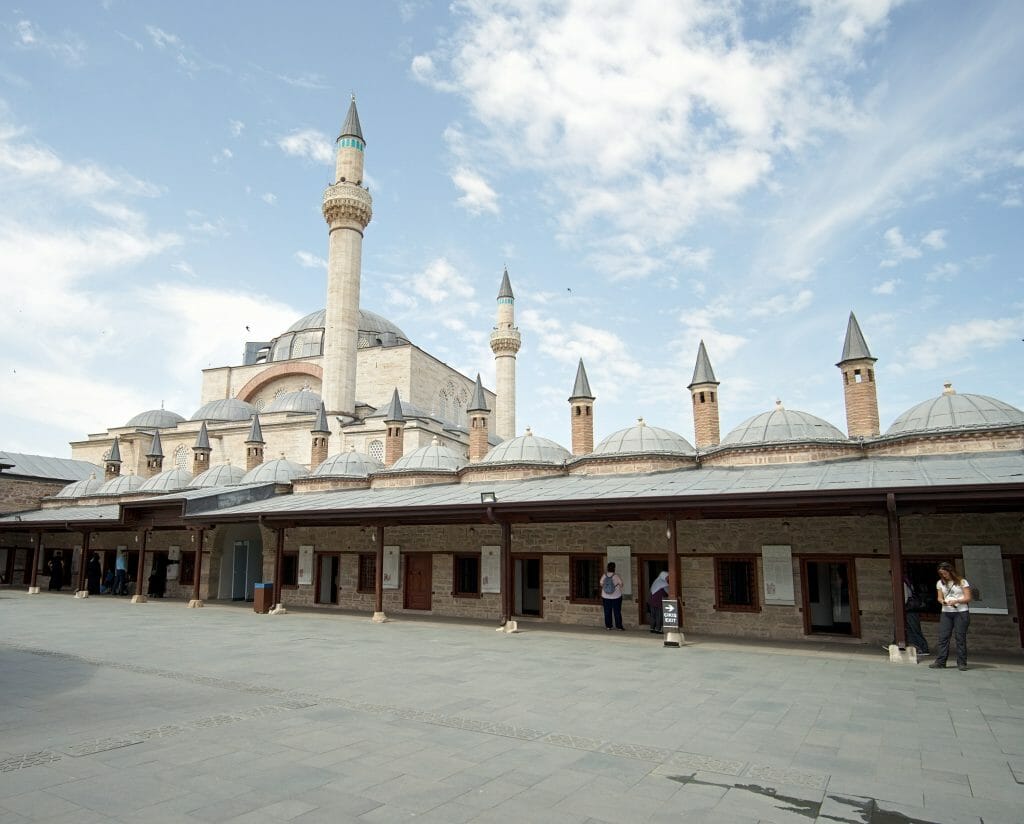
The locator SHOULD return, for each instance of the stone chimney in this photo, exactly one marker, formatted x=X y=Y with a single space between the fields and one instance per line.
x=394 y=420
x=201 y=452
x=581 y=411
x=704 y=392
x=321 y=435
x=478 y=429
x=112 y=467
x=254 y=445
x=859 y=390
x=155 y=455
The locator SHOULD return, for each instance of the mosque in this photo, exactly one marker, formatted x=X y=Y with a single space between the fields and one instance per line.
x=342 y=467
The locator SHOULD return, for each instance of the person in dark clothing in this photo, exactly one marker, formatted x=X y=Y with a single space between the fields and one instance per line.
x=658 y=591
x=93 y=574
x=56 y=571
x=158 y=577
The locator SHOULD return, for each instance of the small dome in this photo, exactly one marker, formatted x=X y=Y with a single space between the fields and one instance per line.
x=304 y=400
x=348 y=465
x=783 y=425
x=528 y=448
x=305 y=337
x=225 y=409
x=170 y=480
x=156 y=419
x=80 y=489
x=121 y=485
x=644 y=439
x=281 y=471
x=435 y=457
x=223 y=475
x=953 y=412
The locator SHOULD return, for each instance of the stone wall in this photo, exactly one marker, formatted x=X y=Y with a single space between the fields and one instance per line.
x=18 y=495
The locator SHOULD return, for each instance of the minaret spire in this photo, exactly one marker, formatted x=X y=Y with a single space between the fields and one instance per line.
x=477 y=411
x=201 y=451
x=347 y=208
x=155 y=455
x=704 y=392
x=254 y=445
x=859 y=390
x=581 y=406
x=394 y=420
x=321 y=433
x=505 y=343
x=112 y=466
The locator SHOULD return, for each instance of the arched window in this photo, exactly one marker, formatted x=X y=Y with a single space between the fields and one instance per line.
x=376 y=450
x=182 y=456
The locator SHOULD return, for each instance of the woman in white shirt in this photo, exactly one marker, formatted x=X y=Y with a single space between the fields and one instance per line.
x=954 y=594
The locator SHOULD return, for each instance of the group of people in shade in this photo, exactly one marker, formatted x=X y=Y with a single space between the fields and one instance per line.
x=953 y=593
x=611 y=599
x=115 y=582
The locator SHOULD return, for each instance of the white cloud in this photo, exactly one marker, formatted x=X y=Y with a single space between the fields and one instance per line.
x=960 y=341
x=782 y=304
x=310 y=261
x=236 y=127
x=899 y=250
x=184 y=56
x=935 y=239
x=441 y=282
x=943 y=271
x=886 y=287
x=310 y=144
x=184 y=267
x=68 y=47
x=269 y=198
x=477 y=196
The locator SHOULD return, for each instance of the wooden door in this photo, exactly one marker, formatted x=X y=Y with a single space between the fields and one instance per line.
x=417 y=580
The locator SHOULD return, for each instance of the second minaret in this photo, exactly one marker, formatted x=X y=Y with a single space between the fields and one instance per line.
x=505 y=343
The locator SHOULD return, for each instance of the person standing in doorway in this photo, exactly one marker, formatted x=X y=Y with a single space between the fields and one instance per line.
x=121 y=573
x=57 y=571
x=913 y=606
x=611 y=597
x=93 y=574
x=658 y=591
x=954 y=594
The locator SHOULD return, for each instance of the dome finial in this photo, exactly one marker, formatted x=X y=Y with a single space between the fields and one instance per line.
x=947 y=389
x=641 y=422
x=778 y=404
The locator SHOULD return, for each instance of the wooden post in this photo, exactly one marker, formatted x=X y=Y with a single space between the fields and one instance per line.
x=37 y=548
x=197 y=536
x=506 y=572
x=85 y=559
x=278 y=565
x=140 y=597
x=378 y=575
x=896 y=574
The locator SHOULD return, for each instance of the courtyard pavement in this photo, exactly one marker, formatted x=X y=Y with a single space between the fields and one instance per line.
x=117 y=712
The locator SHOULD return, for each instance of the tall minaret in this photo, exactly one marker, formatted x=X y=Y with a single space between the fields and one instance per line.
x=859 y=390
x=505 y=343
x=704 y=391
x=347 y=209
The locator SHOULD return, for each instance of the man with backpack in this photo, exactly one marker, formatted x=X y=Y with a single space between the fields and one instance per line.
x=611 y=597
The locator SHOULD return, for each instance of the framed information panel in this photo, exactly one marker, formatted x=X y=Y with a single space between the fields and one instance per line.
x=777 y=563
x=490 y=569
x=983 y=569
x=391 y=562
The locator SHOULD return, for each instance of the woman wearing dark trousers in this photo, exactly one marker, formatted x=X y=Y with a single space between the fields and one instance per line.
x=954 y=594
x=611 y=597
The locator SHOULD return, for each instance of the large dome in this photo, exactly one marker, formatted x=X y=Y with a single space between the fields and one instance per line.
x=782 y=425
x=156 y=419
x=170 y=480
x=305 y=337
x=953 y=412
x=304 y=400
x=646 y=440
x=223 y=475
x=434 y=457
x=528 y=448
x=348 y=465
x=224 y=409
x=281 y=471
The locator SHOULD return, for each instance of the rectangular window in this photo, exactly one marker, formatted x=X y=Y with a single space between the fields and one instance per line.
x=367 y=573
x=736 y=584
x=466 y=576
x=585 y=578
x=290 y=569
x=187 y=569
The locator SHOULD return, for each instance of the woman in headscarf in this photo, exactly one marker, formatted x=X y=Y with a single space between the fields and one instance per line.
x=93 y=573
x=57 y=571
x=658 y=591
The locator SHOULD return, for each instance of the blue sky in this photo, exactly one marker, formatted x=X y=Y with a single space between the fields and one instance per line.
x=651 y=173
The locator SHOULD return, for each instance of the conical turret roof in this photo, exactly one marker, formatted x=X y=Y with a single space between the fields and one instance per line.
x=255 y=431
x=702 y=371
x=351 y=128
x=855 y=347
x=581 y=389
x=115 y=451
x=321 y=420
x=156 y=449
x=394 y=412
x=203 y=438
x=505 y=291
x=479 y=400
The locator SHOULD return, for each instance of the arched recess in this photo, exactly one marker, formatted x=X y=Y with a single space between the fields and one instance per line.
x=272 y=373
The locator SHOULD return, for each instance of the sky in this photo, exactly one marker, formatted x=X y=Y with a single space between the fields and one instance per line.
x=652 y=173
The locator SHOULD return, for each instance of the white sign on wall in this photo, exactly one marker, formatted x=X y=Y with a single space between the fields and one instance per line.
x=622 y=556
x=490 y=569
x=983 y=569
x=391 y=559
x=305 y=574
x=174 y=554
x=777 y=563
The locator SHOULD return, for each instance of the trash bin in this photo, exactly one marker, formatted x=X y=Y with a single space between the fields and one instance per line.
x=263 y=598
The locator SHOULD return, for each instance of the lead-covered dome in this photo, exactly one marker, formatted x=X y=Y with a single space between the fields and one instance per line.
x=305 y=337
x=170 y=480
x=121 y=485
x=303 y=400
x=528 y=448
x=80 y=489
x=348 y=465
x=223 y=475
x=783 y=425
x=645 y=440
x=954 y=412
x=281 y=471
x=224 y=409
x=156 y=419
x=435 y=457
